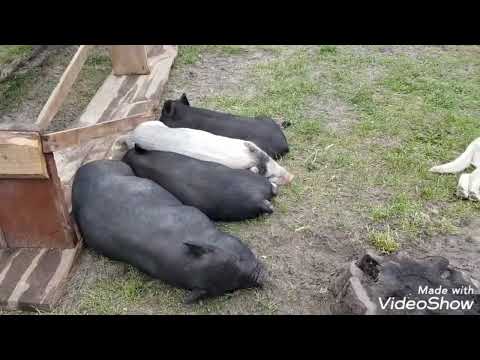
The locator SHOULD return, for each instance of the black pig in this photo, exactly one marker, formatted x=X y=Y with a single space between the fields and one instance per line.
x=221 y=193
x=263 y=132
x=134 y=220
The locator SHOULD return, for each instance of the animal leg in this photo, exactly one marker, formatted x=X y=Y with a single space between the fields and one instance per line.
x=463 y=185
x=267 y=206
x=195 y=295
x=274 y=189
x=474 y=186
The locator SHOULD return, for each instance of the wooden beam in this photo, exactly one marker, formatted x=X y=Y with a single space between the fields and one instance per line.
x=21 y=155
x=75 y=137
x=129 y=60
x=63 y=87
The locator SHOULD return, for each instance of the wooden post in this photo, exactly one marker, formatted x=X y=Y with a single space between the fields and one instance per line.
x=129 y=60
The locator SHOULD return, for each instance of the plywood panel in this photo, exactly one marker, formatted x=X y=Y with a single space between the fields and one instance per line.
x=34 y=279
x=33 y=212
x=21 y=155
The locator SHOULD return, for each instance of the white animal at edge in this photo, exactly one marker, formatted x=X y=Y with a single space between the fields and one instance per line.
x=468 y=184
x=202 y=145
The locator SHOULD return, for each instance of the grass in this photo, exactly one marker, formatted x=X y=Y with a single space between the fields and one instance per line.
x=383 y=241
x=12 y=91
x=8 y=53
x=15 y=89
x=370 y=179
x=191 y=54
x=413 y=114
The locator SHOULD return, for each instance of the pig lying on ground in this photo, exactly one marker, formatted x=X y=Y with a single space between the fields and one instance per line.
x=134 y=220
x=223 y=194
x=202 y=145
x=263 y=132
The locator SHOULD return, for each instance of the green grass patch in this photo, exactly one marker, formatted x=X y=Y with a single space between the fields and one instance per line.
x=384 y=241
x=191 y=54
x=327 y=50
x=8 y=53
x=413 y=114
x=15 y=89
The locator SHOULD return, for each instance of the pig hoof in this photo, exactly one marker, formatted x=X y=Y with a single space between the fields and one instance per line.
x=267 y=206
x=194 y=296
x=274 y=189
x=254 y=169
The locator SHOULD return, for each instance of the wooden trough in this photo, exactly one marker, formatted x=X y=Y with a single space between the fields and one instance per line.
x=39 y=241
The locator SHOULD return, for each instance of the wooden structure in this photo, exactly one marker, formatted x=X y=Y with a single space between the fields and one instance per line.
x=39 y=241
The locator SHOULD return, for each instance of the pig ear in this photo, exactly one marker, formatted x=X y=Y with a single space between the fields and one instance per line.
x=168 y=108
x=184 y=100
x=139 y=150
x=196 y=249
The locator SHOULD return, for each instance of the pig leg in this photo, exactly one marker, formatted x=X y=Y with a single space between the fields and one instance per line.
x=254 y=169
x=267 y=206
x=474 y=185
x=274 y=189
x=195 y=295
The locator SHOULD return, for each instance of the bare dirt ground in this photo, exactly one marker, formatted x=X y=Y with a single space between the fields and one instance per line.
x=361 y=140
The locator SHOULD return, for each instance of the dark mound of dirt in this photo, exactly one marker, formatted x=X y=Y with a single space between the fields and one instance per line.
x=399 y=284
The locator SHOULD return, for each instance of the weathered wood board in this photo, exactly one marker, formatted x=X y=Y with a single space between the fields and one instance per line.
x=21 y=155
x=118 y=97
x=129 y=60
x=32 y=279
x=33 y=212
x=76 y=137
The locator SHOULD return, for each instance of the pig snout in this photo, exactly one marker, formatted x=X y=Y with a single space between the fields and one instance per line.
x=288 y=178
x=283 y=179
x=259 y=276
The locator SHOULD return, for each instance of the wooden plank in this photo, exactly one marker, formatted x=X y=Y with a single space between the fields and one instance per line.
x=118 y=97
x=34 y=279
x=129 y=60
x=21 y=155
x=33 y=212
x=63 y=87
x=76 y=137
